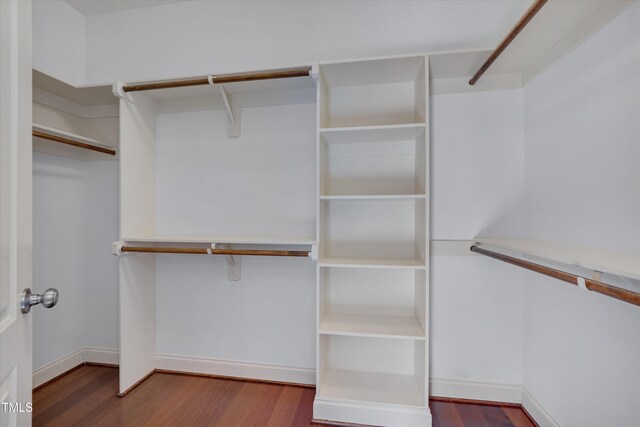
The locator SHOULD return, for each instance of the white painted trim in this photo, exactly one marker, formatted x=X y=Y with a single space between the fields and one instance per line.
x=231 y=368
x=57 y=367
x=461 y=389
x=370 y=413
x=106 y=356
x=536 y=410
x=48 y=99
x=54 y=101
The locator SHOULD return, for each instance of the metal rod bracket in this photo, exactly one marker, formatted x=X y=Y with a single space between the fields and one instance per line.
x=116 y=248
x=233 y=112
x=313 y=254
x=118 y=89
x=234 y=263
x=582 y=284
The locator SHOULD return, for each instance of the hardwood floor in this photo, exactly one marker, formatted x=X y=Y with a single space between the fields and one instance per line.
x=87 y=397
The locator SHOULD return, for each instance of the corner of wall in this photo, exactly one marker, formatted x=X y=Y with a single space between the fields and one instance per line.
x=59 y=41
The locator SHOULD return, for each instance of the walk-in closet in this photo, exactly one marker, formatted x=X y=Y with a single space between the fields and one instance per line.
x=304 y=213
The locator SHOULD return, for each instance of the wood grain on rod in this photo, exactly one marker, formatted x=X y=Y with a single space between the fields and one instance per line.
x=205 y=251
x=593 y=285
x=67 y=141
x=262 y=75
x=524 y=20
x=223 y=78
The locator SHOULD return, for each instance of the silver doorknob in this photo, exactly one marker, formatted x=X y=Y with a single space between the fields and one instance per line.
x=48 y=299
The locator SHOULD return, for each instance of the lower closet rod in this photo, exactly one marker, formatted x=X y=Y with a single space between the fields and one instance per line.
x=592 y=285
x=206 y=251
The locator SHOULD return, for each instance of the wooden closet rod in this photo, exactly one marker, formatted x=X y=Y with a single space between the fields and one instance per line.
x=223 y=78
x=205 y=251
x=67 y=141
x=524 y=20
x=593 y=285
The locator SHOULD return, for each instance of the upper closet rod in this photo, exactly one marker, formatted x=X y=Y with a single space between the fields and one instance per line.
x=68 y=141
x=223 y=78
x=207 y=251
x=588 y=284
x=529 y=14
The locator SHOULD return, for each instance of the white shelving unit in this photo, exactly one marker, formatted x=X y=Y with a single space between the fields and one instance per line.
x=85 y=115
x=373 y=228
x=189 y=177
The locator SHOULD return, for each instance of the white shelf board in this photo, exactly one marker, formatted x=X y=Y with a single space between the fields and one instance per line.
x=373 y=71
x=376 y=197
x=46 y=146
x=368 y=262
x=83 y=95
x=371 y=326
x=360 y=134
x=355 y=386
x=248 y=240
x=624 y=264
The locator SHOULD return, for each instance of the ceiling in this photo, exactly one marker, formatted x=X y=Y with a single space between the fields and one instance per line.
x=94 y=7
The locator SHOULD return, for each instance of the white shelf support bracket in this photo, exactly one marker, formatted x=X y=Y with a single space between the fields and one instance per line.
x=234 y=265
x=233 y=112
x=582 y=284
x=315 y=73
x=116 y=248
x=118 y=90
x=597 y=276
x=314 y=252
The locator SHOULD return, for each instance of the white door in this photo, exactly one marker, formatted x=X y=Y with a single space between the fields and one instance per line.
x=15 y=211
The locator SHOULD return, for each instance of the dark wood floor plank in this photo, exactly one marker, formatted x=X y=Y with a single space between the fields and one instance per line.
x=304 y=413
x=247 y=408
x=518 y=417
x=285 y=408
x=141 y=404
x=65 y=385
x=67 y=407
x=473 y=415
x=495 y=416
x=87 y=397
x=217 y=397
x=447 y=414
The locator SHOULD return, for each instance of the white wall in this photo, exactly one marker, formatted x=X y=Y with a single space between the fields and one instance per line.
x=202 y=37
x=74 y=222
x=59 y=41
x=476 y=188
x=57 y=244
x=581 y=150
x=267 y=317
x=261 y=183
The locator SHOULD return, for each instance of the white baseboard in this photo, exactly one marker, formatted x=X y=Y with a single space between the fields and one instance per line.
x=88 y=354
x=230 y=368
x=107 y=356
x=460 y=389
x=536 y=411
x=371 y=414
x=58 y=367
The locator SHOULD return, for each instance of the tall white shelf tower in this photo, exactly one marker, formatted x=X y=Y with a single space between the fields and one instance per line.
x=373 y=220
